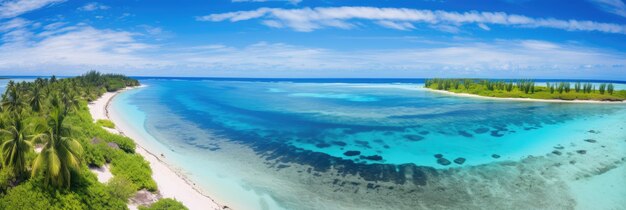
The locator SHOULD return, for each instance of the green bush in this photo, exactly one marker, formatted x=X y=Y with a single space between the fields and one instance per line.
x=99 y=197
x=31 y=195
x=165 y=204
x=105 y=123
x=95 y=154
x=121 y=188
x=134 y=168
x=7 y=178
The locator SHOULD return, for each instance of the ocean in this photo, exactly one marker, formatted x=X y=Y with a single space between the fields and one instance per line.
x=378 y=144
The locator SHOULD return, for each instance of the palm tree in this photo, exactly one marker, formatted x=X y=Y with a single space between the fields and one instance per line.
x=16 y=147
x=60 y=154
x=12 y=101
x=36 y=98
x=69 y=98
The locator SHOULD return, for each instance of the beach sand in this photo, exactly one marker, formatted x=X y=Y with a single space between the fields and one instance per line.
x=103 y=173
x=169 y=182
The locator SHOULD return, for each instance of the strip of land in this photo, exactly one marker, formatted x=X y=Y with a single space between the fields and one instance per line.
x=171 y=184
x=527 y=90
x=524 y=99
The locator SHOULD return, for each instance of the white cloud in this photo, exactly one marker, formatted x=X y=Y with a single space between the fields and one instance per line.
x=72 y=49
x=612 y=6
x=77 y=47
x=309 y=19
x=484 y=27
x=93 y=6
x=14 y=24
x=13 y=8
x=404 y=26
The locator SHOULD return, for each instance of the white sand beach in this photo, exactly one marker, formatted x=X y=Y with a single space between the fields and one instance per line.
x=525 y=99
x=103 y=173
x=170 y=183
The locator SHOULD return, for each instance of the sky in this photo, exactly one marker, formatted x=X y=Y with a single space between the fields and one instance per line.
x=568 y=39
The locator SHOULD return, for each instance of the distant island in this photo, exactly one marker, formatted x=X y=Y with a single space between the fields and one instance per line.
x=527 y=89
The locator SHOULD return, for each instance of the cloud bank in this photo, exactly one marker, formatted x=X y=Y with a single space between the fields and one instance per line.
x=14 y=8
x=310 y=19
x=73 y=49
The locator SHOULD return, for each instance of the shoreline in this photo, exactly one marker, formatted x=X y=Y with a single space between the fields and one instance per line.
x=171 y=183
x=525 y=99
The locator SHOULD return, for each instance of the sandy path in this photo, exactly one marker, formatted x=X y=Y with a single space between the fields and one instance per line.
x=169 y=183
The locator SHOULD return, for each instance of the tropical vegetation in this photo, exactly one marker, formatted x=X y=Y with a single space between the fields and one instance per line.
x=48 y=141
x=529 y=89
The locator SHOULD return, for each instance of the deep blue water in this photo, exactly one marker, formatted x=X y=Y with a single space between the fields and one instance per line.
x=375 y=131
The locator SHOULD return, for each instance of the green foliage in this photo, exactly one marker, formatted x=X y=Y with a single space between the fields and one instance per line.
x=121 y=188
x=96 y=154
x=61 y=154
x=105 y=123
x=57 y=110
x=26 y=196
x=31 y=195
x=164 y=204
x=7 y=179
x=602 y=88
x=528 y=89
x=16 y=145
x=134 y=168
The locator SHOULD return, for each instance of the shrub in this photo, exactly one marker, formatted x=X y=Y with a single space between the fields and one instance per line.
x=121 y=188
x=31 y=195
x=95 y=154
x=165 y=204
x=105 y=123
x=133 y=168
x=7 y=178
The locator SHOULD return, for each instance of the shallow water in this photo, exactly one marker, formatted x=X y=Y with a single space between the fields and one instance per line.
x=272 y=145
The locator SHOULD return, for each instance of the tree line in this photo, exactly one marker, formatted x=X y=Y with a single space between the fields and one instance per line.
x=526 y=86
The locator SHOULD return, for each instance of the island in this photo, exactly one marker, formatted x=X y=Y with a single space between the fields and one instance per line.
x=52 y=148
x=528 y=89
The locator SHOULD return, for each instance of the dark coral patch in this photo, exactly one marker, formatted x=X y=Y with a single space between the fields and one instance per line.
x=352 y=153
x=466 y=134
x=322 y=145
x=591 y=140
x=594 y=131
x=424 y=132
x=496 y=134
x=373 y=157
x=496 y=156
x=443 y=161
x=414 y=137
x=556 y=152
x=459 y=161
x=582 y=152
x=339 y=143
x=481 y=130
x=438 y=155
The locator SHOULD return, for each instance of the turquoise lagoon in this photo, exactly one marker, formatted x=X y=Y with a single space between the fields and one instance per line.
x=333 y=145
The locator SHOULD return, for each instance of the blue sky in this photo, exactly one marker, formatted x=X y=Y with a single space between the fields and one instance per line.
x=303 y=38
